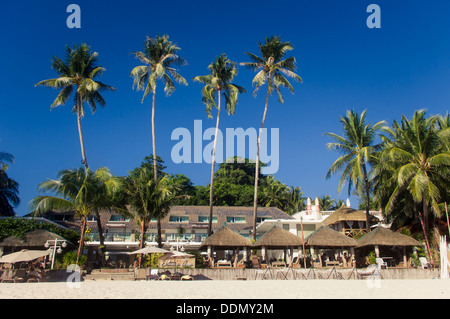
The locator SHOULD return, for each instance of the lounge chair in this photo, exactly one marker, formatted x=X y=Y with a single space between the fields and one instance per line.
x=140 y=274
x=167 y=275
x=424 y=263
x=381 y=263
x=154 y=274
x=8 y=276
x=187 y=277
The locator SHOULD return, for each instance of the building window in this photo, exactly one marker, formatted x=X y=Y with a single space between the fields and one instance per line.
x=235 y=220
x=179 y=219
x=261 y=219
x=91 y=218
x=119 y=218
x=205 y=219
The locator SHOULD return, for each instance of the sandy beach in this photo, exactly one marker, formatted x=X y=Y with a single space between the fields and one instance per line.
x=268 y=289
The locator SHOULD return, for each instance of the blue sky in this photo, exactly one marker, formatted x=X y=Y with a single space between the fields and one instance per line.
x=345 y=65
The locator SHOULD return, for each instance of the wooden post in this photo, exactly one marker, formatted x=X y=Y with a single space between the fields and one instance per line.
x=377 y=252
x=405 y=260
x=303 y=240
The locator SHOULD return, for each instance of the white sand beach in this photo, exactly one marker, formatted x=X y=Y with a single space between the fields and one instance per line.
x=267 y=289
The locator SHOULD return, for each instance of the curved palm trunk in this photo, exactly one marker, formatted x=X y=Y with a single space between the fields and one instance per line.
x=80 y=132
x=212 y=171
x=255 y=201
x=155 y=168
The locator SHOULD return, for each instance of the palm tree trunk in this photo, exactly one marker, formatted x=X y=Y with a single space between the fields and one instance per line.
x=255 y=201
x=80 y=132
x=155 y=168
x=143 y=230
x=367 y=188
x=83 y=232
x=101 y=238
x=155 y=164
x=211 y=195
x=426 y=237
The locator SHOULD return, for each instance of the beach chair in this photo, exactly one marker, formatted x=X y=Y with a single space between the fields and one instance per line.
x=140 y=274
x=187 y=277
x=424 y=263
x=21 y=275
x=8 y=276
x=167 y=275
x=381 y=263
x=154 y=274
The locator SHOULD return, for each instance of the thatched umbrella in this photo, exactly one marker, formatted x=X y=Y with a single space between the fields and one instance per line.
x=381 y=236
x=33 y=239
x=278 y=238
x=226 y=239
x=325 y=237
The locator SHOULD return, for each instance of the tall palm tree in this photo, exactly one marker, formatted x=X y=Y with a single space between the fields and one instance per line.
x=272 y=68
x=76 y=190
x=78 y=70
x=160 y=59
x=358 y=147
x=417 y=156
x=9 y=188
x=218 y=82
x=147 y=199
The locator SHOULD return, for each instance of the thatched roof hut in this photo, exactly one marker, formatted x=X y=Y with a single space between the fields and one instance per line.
x=34 y=239
x=381 y=236
x=278 y=238
x=329 y=238
x=226 y=238
x=347 y=214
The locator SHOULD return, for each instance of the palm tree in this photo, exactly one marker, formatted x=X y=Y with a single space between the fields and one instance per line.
x=160 y=58
x=358 y=147
x=147 y=200
x=274 y=193
x=9 y=188
x=417 y=156
x=223 y=71
x=273 y=68
x=78 y=71
x=326 y=202
x=76 y=190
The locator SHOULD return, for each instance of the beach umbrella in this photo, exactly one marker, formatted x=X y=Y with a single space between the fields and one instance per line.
x=149 y=250
x=23 y=255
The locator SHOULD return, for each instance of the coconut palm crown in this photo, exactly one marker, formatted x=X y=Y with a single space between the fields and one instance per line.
x=78 y=71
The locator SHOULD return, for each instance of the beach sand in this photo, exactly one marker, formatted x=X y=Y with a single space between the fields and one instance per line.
x=267 y=289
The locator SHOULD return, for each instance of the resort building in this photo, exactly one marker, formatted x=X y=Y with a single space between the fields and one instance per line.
x=347 y=220
x=184 y=227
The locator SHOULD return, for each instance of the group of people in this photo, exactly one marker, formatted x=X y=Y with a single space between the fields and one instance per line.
x=36 y=271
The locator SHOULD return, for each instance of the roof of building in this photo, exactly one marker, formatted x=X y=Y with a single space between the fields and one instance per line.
x=193 y=213
x=381 y=236
x=327 y=237
x=345 y=213
x=225 y=237
x=278 y=238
